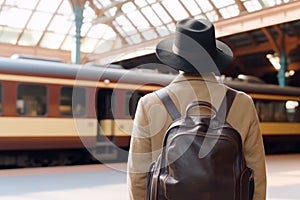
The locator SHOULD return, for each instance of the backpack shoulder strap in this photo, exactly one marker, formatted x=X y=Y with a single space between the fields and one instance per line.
x=175 y=114
x=168 y=103
x=226 y=104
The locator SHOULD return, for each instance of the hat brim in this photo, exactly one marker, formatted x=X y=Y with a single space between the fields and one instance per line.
x=201 y=64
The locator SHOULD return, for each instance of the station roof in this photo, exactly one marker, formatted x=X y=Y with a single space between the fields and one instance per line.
x=115 y=30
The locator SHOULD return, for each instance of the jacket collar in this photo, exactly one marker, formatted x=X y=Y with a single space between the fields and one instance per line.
x=208 y=77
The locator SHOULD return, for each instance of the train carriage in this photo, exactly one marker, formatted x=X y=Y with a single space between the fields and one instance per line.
x=59 y=109
x=55 y=106
x=278 y=109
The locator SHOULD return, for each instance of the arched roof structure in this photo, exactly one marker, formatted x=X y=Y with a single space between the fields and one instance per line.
x=115 y=30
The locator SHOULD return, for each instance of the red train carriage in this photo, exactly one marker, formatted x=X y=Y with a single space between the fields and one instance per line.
x=49 y=105
x=56 y=110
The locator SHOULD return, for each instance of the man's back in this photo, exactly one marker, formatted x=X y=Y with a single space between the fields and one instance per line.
x=194 y=50
x=183 y=90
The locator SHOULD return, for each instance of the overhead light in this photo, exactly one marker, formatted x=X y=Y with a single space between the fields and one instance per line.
x=274 y=60
x=289 y=73
x=291 y=105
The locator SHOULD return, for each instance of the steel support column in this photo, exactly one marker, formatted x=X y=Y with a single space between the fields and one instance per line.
x=78 y=12
x=283 y=67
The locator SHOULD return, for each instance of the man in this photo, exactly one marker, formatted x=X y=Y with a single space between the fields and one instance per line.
x=196 y=53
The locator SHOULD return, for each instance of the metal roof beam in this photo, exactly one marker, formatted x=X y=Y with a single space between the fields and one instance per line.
x=255 y=20
x=290 y=43
x=263 y=18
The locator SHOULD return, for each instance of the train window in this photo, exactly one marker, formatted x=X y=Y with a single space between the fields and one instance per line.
x=77 y=96
x=277 y=111
x=293 y=110
x=264 y=110
x=31 y=100
x=132 y=99
x=105 y=104
x=108 y=100
x=1 y=98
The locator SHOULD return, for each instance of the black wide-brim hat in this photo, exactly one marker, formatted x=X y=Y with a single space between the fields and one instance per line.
x=194 y=48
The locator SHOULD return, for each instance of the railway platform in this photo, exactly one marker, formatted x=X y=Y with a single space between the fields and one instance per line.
x=108 y=182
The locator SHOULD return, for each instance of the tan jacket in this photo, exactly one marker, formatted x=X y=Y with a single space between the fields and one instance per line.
x=152 y=120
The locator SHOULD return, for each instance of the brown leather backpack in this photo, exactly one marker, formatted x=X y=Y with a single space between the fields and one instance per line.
x=202 y=157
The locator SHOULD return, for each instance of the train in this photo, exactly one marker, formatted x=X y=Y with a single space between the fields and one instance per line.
x=54 y=113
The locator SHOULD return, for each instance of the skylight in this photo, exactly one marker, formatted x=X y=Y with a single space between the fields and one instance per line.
x=114 y=23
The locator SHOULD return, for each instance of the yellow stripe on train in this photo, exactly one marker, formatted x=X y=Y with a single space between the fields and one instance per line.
x=45 y=127
x=117 y=127
x=276 y=128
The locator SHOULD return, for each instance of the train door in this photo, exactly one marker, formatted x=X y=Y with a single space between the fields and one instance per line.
x=115 y=112
x=105 y=102
x=105 y=149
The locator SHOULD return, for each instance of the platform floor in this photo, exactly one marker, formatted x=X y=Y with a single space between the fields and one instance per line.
x=95 y=182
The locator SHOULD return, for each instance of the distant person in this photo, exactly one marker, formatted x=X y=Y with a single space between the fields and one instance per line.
x=195 y=52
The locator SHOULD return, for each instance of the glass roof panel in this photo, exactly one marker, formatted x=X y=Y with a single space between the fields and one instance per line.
x=107 y=45
x=45 y=6
x=60 y=24
x=84 y=28
x=96 y=31
x=140 y=3
x=205 y=5
x=111 y=12
x=175 y=9
x=119 y=29
x=68 y=43
x=105 y=3
x=212 y=16
x=252 y=5
x=222 y=3
x=171 y=27
x=192 y=6
x=109 y=34
x=39 y=21
x=138 y=19
x=30 y=38
x=128 y=7
x=3 y=15
x=135 y=39
x=88 y=44
x=26 y=4
x=9 y=35
x=267 y=3
x=126 y=25
x=161 y=12
x=151 y=15
x=162 y=31
x=14 y=17
x=65 y=8
x=129 y=40
x=52 y=40
x=151 y=1
x=88 y=14
x=149 y=34
x=201 y=16
x=101 y=31
x=97 y=4
x=230 y=11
